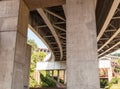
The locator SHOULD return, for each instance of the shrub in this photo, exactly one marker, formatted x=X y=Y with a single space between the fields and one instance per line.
x=103 y=82
x=46 y=81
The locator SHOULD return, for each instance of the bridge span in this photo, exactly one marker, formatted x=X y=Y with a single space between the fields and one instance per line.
x=50 y=23
x=76 y=31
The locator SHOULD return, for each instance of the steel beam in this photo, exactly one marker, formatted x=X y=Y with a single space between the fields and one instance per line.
x=109 y=17
x=50 y=26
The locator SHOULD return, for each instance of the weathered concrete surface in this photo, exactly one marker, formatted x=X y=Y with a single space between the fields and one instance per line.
x=58 y=75
x=82 y=64
x=51 y=65
x=65 y=79
x=26 y=67
x=8 y=12
x=7 y=50
x=12 y=43
x=33 y=4
x=9 y=8
x=21 y=47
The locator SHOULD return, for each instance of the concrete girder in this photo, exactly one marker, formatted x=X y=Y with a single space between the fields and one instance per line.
x=51 y=65
x=50 y=26
x=59 y=28
x=34 y=4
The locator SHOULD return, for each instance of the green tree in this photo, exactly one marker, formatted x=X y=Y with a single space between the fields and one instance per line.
x=33 y=44
x=35 y=57
x=46 y=81
x=113 y=81
x=119 y=61
x=103 y=82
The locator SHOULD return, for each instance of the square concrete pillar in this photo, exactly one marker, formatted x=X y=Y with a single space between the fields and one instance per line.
x=65 y=80
x=27 y=67
x=58 y=75
x=82 y=63
x=13 y=38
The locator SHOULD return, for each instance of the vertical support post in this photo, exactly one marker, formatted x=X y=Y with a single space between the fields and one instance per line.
x=48 y=71
x=14 y=16
x=82 y=63
x=65 y=77
x=52 y=73
x=58 y=74
x=27 y=67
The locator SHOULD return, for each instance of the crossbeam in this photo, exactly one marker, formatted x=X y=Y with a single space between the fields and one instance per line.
x=62 y=37
x=54 y=14
x=59 y=28
x=51 y=65
x=113 y=36
x=118 y=43
x=116 y=17
x=34 y=4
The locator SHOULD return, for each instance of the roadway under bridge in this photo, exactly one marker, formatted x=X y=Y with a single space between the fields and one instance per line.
x=76 y=31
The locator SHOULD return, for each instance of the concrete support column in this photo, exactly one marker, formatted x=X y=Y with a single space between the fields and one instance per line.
x=82 y=63
x=27 y=67
x=58 y=74
x=52 y=73
x=13 y=38
x=65 y=82
x=36 y=76
x=48 y=71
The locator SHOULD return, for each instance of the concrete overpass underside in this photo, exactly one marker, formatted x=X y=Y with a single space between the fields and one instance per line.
x=50 y=23
x=49 y=19
x=69 y=29
x=108 y=27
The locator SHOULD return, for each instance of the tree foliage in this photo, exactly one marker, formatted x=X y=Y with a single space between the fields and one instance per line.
x=103 y=82
x=46 y=81
x=113 y=81
x=35 y=57
x=33 y=44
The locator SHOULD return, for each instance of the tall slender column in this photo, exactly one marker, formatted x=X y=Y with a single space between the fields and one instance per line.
x=13 y=38
x=52 y=73
x=82 y=64
x=26 y=67
x=58 y=74
x=48 y=71
x=65 y=77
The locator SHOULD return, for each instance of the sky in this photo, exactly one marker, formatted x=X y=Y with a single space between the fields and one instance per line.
x=117 y=51
x=39 y=43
